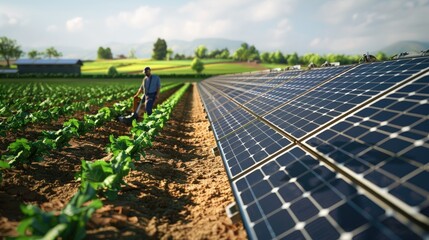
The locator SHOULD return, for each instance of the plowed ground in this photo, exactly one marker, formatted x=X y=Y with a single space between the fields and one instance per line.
x=179 y=191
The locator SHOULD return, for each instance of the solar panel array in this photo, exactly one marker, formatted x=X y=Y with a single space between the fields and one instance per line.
x=329 y=153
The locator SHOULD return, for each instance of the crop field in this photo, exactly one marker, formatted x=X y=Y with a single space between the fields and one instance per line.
x=69 y=169
x=211 y=66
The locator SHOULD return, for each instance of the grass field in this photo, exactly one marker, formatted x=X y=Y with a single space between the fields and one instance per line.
x=212 y=66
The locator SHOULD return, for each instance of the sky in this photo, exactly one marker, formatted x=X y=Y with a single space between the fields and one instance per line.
x=319 y=26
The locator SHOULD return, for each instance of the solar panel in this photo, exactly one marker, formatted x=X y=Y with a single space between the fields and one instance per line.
x=230 y=122
x=312 y=110
x=288 y=89
x=387 y=144
x=248 y=145
x=295 y=196
x=216 y=103
x=331 y=153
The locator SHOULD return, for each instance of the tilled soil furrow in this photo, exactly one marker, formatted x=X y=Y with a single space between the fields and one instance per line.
x=179 y=190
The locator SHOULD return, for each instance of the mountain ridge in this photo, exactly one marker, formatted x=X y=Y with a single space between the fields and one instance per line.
x=405 y=46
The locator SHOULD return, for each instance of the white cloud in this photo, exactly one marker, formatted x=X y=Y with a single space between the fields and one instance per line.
x=340 y=26
x=269 y=9
x=142 y=17
x=75 y=24
x=7 y=19
x=364 y=25
x=233 y=19
x=281 y=29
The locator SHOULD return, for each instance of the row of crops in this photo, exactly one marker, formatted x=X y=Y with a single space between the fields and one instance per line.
x=98 y=178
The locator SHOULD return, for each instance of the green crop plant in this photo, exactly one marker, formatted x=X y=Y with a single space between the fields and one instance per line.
x=69 y=223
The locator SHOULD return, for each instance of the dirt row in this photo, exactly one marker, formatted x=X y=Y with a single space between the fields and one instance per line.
x=178 y=191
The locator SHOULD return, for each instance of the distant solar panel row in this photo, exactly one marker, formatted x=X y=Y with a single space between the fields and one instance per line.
x=327 y=153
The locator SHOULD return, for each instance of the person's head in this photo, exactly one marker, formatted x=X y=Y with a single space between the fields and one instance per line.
x=147 y=71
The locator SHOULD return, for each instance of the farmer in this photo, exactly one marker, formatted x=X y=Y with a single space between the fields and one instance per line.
x=150 y=87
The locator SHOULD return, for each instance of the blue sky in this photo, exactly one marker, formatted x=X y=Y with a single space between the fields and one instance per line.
x=330 y=26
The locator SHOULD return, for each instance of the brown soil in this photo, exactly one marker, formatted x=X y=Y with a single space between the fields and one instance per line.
x=179 y=191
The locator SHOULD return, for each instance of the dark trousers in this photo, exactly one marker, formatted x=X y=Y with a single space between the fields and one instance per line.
x=150 y=100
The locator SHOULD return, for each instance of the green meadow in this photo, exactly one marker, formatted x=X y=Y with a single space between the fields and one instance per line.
x=211 y=66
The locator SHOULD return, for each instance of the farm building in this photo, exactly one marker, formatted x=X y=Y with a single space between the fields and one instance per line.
x=68 y=66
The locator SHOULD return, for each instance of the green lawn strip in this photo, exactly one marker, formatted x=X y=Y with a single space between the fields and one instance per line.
x=136 y=65
x=216 y=68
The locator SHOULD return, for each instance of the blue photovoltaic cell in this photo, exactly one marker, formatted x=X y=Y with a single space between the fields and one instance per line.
x=230 y=91
x=217 y=105
x=211 y=98
x=287 y=90
x=294 y=195
x=220 y=111
x=312 y=110
x=230 y=122
x=387 y=143
x=217 y=101
x=284 y=192
x=252 y=94
x=249 y=145
x=282 y=77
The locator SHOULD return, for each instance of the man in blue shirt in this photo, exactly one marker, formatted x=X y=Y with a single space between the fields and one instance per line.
x=150 y=87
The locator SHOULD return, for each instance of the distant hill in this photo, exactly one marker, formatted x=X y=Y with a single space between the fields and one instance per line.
x=405 y=46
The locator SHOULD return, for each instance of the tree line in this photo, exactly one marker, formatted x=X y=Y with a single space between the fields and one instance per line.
x=249 y=53
x=9 y=49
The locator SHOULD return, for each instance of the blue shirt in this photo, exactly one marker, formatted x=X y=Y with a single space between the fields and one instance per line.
x=151 y=84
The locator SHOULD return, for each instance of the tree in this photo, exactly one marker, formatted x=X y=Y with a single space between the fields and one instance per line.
x=246 y=53
x=179 y=56
x=265 y=57
x=169 y=54
x=33 y=54
x=381 y=56
x=52 y=52
x=240 y=54
x=201 y=52
x=108 y=54
x=112 y=71
x=9 y=49
x=278 y=57
x=197 y=65
x=253 y=54
x=293 y=59
x=159 y=49
x=224 y=54
x=104 y=53
x=100 y=53
x=219 y=54
x=132 y=54
x=313 y=58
